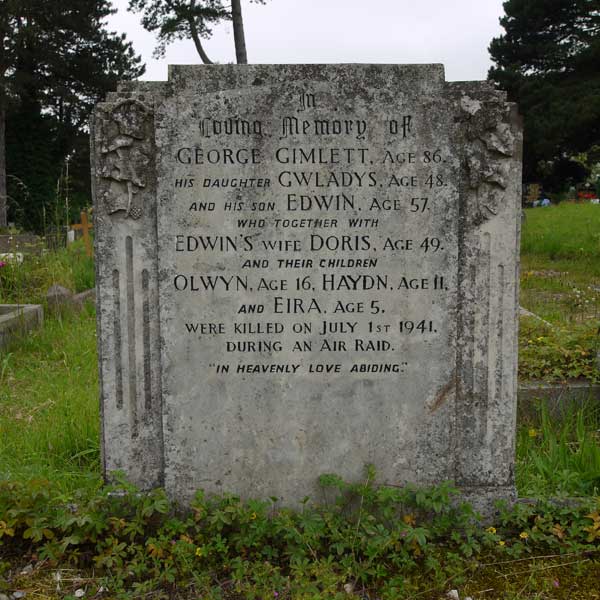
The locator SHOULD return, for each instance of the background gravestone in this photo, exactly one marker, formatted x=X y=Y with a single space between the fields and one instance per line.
x=304 y=269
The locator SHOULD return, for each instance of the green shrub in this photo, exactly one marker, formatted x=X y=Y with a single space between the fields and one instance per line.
x=382 y=540
x=558 y=353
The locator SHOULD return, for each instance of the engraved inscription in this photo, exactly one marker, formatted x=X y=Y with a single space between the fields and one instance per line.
x=321 y=230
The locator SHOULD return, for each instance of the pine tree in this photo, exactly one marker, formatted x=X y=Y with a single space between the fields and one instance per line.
x=548 y=61
x=184 y=19
x=57 y=59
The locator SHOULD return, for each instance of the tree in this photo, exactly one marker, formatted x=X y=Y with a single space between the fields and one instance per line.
x=183 y=19
x=56 y=60
x=548 y=61
x=179 y=20
x=238 y=32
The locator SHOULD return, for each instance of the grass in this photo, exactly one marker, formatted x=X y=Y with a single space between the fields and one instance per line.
x=566 y=234
x=560 y=283
x=28 y=282
x=49 y=415
x=49 y=391
x=559 y=455
x=49 y=385
x=558 y=291
x=555 y=578
x=560 y=262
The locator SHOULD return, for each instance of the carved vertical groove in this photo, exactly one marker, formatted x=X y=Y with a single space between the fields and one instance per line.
x=500 y=336
x=488 y=318
x=131 y=371
x=481 y=338
x=470 y=310
x=117 y=338
x=146 y=337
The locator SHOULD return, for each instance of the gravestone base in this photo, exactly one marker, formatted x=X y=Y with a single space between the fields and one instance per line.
x=484 y=499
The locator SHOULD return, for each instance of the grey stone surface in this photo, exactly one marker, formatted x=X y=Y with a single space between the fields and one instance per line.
x=558 y=398
x=523 y=312
x=59 y=291
x=23 y=242
x=59 y=299
x=87 y=296
x=304 y=269
x=16 y=319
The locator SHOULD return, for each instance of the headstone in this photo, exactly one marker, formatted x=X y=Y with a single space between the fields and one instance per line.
x=59 y=299
x=305 y=269
x=16 y=319
x=21 y=242
x=79 y=300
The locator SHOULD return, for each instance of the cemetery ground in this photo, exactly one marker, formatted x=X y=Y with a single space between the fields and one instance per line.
x=63 y=535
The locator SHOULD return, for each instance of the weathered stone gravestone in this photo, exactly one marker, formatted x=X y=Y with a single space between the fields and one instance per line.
x=16 y=319
x=304 y=269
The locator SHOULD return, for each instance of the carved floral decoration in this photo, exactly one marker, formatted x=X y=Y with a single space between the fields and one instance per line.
x=126 y=154
x=489 y=140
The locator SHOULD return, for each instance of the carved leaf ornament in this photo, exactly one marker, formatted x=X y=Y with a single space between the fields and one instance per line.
x=489 y=141
x=126 y=154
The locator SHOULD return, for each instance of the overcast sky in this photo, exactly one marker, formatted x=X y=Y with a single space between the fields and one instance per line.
x=453 y=32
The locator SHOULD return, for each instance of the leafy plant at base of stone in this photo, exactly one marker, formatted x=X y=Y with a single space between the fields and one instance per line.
x=364 y=539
